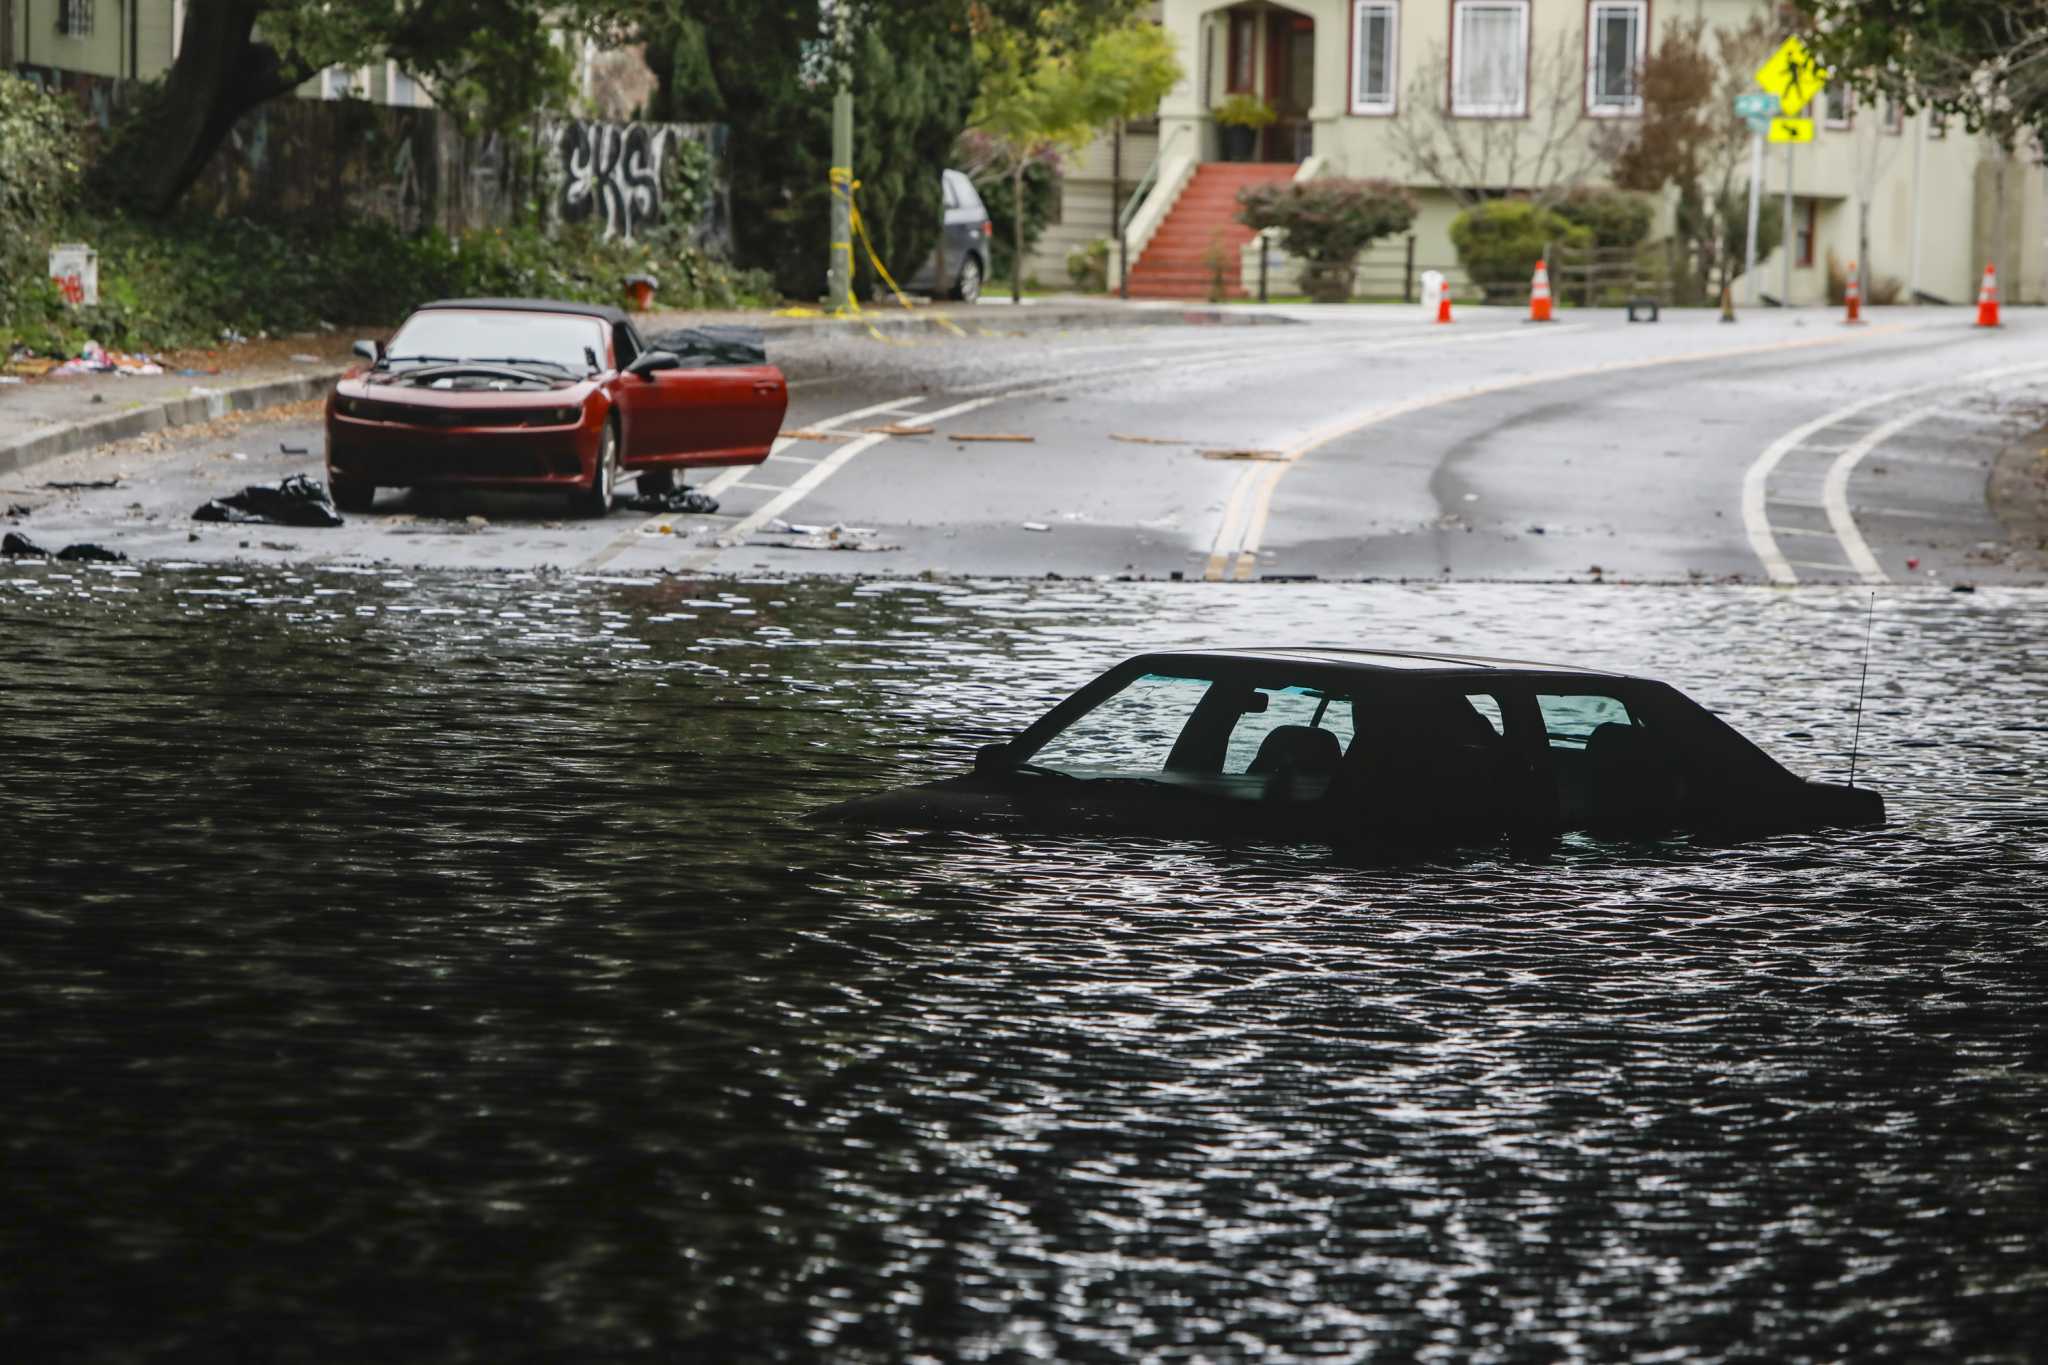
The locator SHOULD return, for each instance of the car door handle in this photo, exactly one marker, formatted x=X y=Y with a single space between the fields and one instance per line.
x=765 y=386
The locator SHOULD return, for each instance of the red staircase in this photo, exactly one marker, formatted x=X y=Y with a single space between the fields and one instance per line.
x=1174 y=264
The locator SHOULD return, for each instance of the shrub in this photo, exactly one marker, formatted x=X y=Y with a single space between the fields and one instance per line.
x=1325 y=224
x=1088 y=266
x=187 y=280
x=1617 y=219
x=39 y=176
x=1499 y=243
x=1244 y=110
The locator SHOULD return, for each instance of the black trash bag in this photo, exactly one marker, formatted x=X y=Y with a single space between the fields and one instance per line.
x=675 y=500
x=91 y=554
x=712 y=345
x=18 y=546
x=296 y=501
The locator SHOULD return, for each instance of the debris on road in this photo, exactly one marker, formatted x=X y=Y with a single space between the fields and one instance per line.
x=988 y=436
x=18 y=546
x=294 y=501
x=1034 y=526
x=674 y=500
x=806 y=434
x=287 y=448
x=1149 y=440
x=899 y=429
x=74 y=484
x=837 y=537
x=19 y=509
x=1243 y=455
x=91 y=554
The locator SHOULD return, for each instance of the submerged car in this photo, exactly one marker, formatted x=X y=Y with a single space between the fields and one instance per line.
x=1344 y=746
x=530 y=393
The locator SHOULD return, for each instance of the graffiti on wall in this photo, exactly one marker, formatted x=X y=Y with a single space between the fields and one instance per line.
x=612 y=173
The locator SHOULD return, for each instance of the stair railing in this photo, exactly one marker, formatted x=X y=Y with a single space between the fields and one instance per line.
x=1129 y=212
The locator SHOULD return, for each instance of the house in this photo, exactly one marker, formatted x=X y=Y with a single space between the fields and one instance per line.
x=1353 y=84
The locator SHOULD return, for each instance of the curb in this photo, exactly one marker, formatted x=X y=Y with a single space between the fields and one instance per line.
x=65 y=438
x=1006 y=321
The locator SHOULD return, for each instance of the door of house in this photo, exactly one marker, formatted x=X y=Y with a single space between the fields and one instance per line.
x=1290 y=85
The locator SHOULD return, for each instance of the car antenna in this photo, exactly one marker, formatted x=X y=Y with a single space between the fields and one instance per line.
x=1856 y=737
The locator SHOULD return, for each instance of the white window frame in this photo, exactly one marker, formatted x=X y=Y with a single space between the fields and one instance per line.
x=1359 y=103
x=1632 y=105
x=1519 y=108
x=1838 y=107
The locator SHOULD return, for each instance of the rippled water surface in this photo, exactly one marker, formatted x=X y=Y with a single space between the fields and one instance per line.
x=442 y=969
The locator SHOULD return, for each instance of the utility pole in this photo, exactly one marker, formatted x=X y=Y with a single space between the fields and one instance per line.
x=1913 y=271
x=1756 y=194
x=1790 y=235
x=839 y=270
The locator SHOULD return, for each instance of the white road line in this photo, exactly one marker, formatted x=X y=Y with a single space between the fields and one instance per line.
x=812 y=478
x=1258 y=483
x=1755 y=517
x=761 y=487
x=730 y=476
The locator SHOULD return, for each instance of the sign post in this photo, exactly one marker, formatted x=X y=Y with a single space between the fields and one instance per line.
x=1756 y=109
x=1795 y=78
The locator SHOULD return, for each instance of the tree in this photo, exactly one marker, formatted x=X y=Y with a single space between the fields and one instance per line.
x=1475 y=159
x=492 y=59
x=1983 y=61
x=1689 y=137
x=1036 y=96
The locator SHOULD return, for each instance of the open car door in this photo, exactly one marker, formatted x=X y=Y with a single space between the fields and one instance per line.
x=722 y=403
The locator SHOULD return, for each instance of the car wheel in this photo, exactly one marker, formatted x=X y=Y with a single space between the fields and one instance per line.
x=596 y=500
x=969 y=287
x=351 y=496
x=657 y=482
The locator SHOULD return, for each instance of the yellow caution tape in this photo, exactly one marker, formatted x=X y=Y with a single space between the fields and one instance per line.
x=844 y=184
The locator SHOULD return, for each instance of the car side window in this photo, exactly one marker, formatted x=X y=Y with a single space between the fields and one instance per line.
x=951 y=189
x=622 y=344
x=1302 y=707
x=1489 y=709
x=1132 y=731
x=1570 y=719
x=970 y=197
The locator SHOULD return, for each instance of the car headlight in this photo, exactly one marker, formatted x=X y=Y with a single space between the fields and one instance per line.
x=562 y=417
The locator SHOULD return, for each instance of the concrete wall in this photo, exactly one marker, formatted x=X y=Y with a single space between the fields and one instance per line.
x=1860 y=153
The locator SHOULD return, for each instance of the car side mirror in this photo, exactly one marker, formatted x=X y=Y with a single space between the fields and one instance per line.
x=369 y=350
x=647 y=362
x=992 y=758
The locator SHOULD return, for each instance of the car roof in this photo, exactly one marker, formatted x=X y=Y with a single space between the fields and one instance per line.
x=603 y=312
x=1377 y=660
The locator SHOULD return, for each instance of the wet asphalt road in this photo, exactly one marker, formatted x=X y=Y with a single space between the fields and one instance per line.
x=1354 y=443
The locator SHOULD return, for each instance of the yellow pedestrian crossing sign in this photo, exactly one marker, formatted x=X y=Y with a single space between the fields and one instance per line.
x=1791 y=130
x=1794 y=77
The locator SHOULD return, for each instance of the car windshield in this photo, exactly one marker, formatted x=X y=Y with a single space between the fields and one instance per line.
x=1232 y=737
x=552 y=339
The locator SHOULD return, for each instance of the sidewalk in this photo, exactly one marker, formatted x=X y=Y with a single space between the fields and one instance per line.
x=43 y=418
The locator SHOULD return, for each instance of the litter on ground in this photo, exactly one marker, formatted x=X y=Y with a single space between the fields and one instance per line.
x=1148 y=440
x=806 y=434
x=675 y=500
x=987 y=436
x=1243 y=455
x=899 y=429
x=294 y=501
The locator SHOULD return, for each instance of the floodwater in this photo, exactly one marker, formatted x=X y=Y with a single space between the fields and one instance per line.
x=441 y=968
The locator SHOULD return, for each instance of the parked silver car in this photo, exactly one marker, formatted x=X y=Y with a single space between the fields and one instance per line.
x=959 y=264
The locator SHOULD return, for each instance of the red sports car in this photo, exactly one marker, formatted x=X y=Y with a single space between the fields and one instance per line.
x=527 y=393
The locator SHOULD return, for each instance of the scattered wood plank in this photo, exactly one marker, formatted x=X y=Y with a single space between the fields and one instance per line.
x=1149 y=440
x=988 y=436
x=900 y=429
x=1243 y=455
x=806 y=434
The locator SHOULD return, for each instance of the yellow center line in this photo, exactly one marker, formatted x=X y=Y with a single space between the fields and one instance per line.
x=1240 y=548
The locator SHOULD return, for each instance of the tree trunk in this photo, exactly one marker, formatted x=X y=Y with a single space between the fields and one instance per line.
x=1017 y=232
x=221 y=73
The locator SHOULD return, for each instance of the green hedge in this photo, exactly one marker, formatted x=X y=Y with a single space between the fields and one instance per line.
x=188 y=281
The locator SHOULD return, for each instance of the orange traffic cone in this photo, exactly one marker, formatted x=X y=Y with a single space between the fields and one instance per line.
x=1987 y=298
x=1539 y=295
x=1852 y=295
x=1443 y=304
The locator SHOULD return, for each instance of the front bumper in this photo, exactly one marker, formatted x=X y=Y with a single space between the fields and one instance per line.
x=402 y=455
